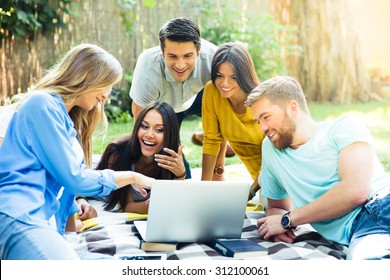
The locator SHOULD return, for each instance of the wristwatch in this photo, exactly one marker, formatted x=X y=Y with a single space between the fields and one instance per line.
x=253 y=192
x=219 y=170
x=286 y=221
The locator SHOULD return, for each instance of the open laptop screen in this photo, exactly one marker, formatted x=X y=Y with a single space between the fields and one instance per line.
x=195 y=211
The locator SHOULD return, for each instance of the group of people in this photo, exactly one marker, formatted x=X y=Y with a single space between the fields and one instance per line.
x=325 y=174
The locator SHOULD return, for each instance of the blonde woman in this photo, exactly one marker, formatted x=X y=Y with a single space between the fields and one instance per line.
x=46 y=151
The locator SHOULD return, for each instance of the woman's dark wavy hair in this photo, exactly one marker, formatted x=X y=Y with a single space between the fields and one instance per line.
x=126 y=150
x=238 y=56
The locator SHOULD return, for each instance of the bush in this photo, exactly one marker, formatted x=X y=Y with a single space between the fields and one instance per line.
x=23 y=18
x=118 y=106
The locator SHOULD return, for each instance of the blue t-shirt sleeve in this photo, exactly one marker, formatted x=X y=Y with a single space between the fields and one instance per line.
x=51 y=138
x=348 y=130
x=270 y=186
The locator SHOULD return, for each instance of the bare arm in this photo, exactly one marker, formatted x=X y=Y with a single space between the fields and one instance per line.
x=137 y=180
x=136 y=109
x=124 y=178
x=220 y=160
x=137 y=207
x=279 y=207
x=276 y=208
x=356 y=166
x=255 y=186
x=140 y=207
x=208 y=164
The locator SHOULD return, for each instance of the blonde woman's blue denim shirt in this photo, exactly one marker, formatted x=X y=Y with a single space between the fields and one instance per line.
x=37 y=159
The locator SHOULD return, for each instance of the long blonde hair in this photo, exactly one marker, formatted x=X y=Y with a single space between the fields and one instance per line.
x=84 y=68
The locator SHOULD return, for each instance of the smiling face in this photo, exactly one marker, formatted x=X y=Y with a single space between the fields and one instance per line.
x=151 y=134
x=275 y=122
x=91 y=99
x=226 y=80
x=180 y=58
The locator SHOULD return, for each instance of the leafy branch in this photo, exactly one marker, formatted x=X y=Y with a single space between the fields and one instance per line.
x=24 y=18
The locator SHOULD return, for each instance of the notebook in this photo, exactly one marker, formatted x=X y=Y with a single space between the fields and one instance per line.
x=194 y=211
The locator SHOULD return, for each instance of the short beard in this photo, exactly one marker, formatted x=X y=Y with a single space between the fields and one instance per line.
x=285 y=134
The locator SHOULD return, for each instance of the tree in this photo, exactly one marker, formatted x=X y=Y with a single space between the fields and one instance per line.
x=331 y=68
x=268 y=41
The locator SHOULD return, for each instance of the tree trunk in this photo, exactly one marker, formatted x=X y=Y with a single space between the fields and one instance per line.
x=331 y=68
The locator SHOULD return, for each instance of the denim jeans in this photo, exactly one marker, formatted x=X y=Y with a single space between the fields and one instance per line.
x=20 y=241
x=371 y=230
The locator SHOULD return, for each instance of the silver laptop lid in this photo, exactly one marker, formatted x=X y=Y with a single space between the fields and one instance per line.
x=196 y=211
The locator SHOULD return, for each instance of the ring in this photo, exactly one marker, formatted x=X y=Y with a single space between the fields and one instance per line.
x=169 y=163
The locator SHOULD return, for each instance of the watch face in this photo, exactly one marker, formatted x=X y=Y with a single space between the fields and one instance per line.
x=285 y=221
x=218 y=170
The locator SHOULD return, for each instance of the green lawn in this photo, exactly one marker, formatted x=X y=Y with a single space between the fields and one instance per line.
x=375 y=115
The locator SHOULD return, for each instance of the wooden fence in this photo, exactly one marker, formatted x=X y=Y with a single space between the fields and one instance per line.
x=99 y=22
x=92 y=21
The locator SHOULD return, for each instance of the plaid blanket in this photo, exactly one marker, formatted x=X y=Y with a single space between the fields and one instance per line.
x=115 y=234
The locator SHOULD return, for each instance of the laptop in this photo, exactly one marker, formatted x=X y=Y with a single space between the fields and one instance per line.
x=194 y=211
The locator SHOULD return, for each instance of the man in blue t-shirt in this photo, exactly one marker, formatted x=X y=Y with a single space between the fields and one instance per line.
x=323 y=173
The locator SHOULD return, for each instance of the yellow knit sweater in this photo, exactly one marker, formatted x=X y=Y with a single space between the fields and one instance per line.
x=240 y=130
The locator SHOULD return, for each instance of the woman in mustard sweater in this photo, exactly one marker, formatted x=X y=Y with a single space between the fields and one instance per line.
x=224 y=115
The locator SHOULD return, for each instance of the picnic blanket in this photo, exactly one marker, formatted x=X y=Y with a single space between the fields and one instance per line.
x=115 y=234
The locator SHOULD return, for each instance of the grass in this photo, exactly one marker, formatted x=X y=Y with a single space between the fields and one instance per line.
x=375 y=115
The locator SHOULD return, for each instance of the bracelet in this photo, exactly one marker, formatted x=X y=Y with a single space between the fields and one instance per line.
x=182 y=177
x=253 y=192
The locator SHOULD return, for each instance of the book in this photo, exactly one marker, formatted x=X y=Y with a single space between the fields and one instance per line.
x=101 y=220
x=238 y=248
x=157 y=246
